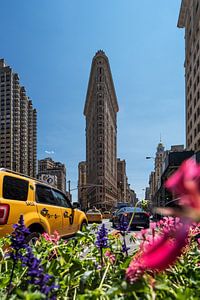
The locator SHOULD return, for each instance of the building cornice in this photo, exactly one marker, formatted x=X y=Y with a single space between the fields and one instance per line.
x=183 y=13
x=100 y=54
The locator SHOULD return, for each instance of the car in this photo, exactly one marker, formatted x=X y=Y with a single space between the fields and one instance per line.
x=44 y=208
x=137 y=216
x=106 y=215
x=94 y=215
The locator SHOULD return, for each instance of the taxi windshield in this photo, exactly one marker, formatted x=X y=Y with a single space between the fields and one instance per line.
x=93 y=211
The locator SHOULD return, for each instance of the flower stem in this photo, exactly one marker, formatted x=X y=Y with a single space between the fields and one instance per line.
x=11 y=278
x=101 y=252
x=104 y=275
x=75 y=292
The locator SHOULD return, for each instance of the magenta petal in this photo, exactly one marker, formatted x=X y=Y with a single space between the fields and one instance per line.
x=164 y=253
x=159 y=255
x=186 y=182
x=175 y=182
x=190 y=169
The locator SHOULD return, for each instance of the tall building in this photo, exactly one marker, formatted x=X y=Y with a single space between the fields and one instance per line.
x=100 y=110
x=47 y=166
x=18 y=125
x=124 y=192
x=134 y=198
x=82 y=185
x=158 y=164
x=121 y=181
x=155 y=176
x=189 y=19
x=151 y=185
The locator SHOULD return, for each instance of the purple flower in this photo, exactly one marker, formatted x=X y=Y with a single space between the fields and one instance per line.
x=18 y=239
x=123 y=224
x=125 y=248
x=35 y=272
x=102 y=240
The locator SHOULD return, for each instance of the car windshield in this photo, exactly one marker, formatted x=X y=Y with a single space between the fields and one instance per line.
x=95 y=211
x=129 y=209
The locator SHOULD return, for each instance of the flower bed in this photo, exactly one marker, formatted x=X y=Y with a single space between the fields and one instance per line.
x=94 y=265
x=164 y=262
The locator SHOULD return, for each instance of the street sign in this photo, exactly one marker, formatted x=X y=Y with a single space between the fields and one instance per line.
x=49 y=179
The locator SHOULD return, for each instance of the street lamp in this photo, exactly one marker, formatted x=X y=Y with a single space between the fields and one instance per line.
x=173 y=200
x=150 y=157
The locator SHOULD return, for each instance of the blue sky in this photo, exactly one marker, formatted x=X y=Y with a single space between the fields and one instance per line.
x=51 y=45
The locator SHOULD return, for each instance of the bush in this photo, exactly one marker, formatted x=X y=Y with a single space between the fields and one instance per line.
x=94 y=265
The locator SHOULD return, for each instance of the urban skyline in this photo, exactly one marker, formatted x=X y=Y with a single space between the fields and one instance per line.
x=18 y=124
x=145 y=73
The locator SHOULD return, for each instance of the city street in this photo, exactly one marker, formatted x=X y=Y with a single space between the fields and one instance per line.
x=129 y=244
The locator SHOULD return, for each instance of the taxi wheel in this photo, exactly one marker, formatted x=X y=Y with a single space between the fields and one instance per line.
x=32 y=238
x=83 y=226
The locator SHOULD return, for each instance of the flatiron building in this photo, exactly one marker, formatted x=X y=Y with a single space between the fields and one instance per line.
x=100 y=111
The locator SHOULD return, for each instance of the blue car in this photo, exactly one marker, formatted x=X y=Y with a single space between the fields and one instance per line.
x=140 y=219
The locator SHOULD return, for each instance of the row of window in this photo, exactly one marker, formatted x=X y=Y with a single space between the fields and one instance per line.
x=5 y=95
x=190 y=110
x=7 y=90
x=4 y=85
x=3 y=78
x=189 y=85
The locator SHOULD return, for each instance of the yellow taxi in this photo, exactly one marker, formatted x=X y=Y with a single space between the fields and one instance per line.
x=44 y=208
x=94 y=215
x=106 y=215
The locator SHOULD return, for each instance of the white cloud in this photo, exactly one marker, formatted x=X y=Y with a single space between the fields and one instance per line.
x=49 y=152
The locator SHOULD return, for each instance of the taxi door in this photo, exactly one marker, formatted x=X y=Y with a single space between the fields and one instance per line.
x=69 y=226
x=48 y=209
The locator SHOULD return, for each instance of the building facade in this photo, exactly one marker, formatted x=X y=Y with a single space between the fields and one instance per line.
x=18 y=127
x=155 y=176
x=151 y=185
x=134 y=198
x=189 y=17
x=100 y=110
x=173 y=160
x=158 y=164
x=47 y=166
x=82 y=185
x=121 y=181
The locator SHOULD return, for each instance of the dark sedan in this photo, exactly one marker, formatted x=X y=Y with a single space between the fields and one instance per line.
x=140 y=218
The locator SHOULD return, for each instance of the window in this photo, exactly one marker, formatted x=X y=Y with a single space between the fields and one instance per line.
x=15 y=188
x=60 y=199
x=44 y=195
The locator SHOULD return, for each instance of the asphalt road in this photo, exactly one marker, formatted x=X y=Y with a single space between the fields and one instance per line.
x=129 y=243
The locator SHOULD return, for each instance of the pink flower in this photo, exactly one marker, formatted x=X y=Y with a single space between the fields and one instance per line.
x=163 y=252
x=153 y=225
x=54 y=238
x=189 y=170
x=159 y=254
x=185 y=183
x=134 y=271
x=111 y=256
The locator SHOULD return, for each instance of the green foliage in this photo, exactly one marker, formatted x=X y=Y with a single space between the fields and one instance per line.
x=144 y=204
x=78 y=270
